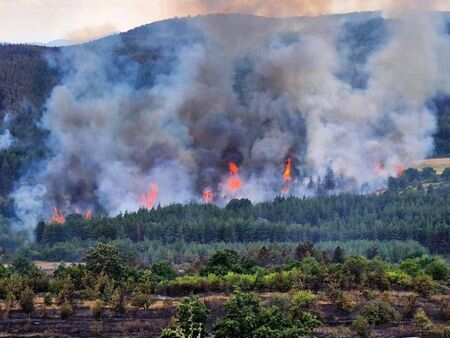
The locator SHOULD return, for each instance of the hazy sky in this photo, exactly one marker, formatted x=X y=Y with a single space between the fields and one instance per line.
x=80 y=20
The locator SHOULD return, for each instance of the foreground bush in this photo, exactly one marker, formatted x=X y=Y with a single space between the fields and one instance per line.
x=246 y=318
x=378 y=313
x=190 y=320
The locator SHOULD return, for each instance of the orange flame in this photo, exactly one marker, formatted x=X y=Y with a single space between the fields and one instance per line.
x=149 y=199
x=57 y=217
x=208 y=195
x=400 y=170
x=87 y=214
x=234 y=181
x=287 y=170
x=233 y=168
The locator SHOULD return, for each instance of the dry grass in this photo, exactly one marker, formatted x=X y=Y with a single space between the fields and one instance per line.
x=438 y=164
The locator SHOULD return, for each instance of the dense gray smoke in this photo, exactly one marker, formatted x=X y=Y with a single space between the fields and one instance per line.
x=255 y=92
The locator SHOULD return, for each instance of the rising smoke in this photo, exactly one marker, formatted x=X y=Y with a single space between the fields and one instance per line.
x=236 y=89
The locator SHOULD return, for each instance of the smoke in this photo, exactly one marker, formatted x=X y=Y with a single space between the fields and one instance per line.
x=289 y=8
x=6 y=140
x=240 y=89
x=91 y=33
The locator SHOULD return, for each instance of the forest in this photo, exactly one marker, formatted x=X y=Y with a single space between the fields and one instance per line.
x=415 y=208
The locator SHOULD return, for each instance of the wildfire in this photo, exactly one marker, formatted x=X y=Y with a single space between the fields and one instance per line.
x=287 y=177
x=400 y=170
x=149 y=199
x=87 y=214
x=287 y=170
x=234 y=181
x=208 y=195
x=57 y=217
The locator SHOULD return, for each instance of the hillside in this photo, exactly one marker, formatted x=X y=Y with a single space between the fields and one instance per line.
x=135 y=68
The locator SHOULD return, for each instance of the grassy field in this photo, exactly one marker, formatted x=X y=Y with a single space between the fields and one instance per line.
x=438 y=164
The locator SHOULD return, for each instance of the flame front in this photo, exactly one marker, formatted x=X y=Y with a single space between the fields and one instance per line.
x=57 y=217
x=148 y=199
x=234 y=181
x=208 y=195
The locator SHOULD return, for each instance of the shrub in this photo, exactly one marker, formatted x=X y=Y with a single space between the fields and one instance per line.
x=344 y=302
x=360 y=326
x=26 y=300
x=48 y=299
x=424 y=285
x=379 y=313
x=354 y=271
x=302 y=301
x=190 y=320
x=421 y=321
x=97 y=309
x=411 y=267
x=438 y=270
x=142 y=300
x=408 y=308
x=400 y=277
x=280 y=302
x=118 y=300
x=66 y=310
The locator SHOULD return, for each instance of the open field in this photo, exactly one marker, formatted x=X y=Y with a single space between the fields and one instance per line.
x=438 y=164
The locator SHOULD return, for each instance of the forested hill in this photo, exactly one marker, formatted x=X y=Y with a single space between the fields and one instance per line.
x=415 y=208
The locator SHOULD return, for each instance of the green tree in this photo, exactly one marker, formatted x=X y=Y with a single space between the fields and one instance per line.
x=190 y=320
x=104 y=258
x=338 y=255
x=163 y=271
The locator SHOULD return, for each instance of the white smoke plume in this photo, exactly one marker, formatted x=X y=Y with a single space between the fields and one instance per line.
x=6 y=140
x=237 y=89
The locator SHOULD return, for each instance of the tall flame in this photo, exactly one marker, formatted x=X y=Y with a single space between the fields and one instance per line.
x=287 y=170
x=57 y=217
x=400 y=170
x=233 y=168
x=148 y=199
x=287 y=177
x=234 y=181
x=208 y=195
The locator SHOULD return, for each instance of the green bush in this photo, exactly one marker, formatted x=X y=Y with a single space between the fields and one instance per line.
x=142 y=300
x=424 y=285
x=190 y=320
x=421 y=321
x=378 y=313
x=361 y=327
x=438 y=270
x=302 y=301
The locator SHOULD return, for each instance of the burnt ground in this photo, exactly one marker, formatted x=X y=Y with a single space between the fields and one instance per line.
x=149 y=323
